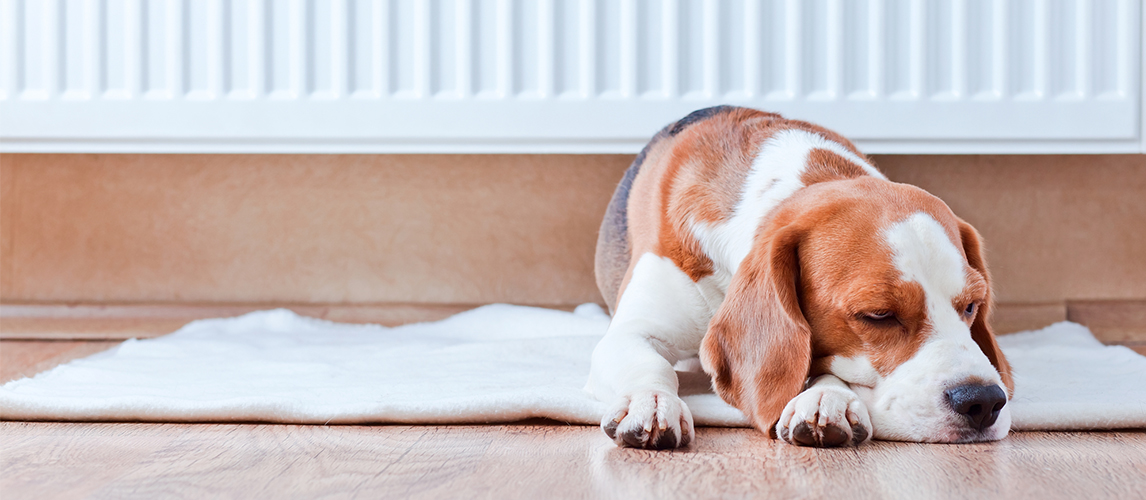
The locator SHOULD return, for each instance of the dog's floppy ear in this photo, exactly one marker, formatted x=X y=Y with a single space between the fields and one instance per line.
x=981 y=329
x=758 y=347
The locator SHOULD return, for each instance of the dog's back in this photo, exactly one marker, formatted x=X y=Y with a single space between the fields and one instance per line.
x=724 y=140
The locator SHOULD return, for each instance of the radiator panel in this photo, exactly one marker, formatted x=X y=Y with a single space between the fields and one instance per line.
x=563 y=75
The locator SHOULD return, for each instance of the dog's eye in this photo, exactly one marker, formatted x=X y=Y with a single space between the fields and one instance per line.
x=880 y=318
x=970 y=310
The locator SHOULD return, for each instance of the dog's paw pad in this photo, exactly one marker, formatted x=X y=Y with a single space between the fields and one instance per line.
x=649 y=419
x=828 y=436
x=824 y=417
x=859 y=434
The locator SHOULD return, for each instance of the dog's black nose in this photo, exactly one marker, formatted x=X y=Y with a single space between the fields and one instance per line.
x=980 y=404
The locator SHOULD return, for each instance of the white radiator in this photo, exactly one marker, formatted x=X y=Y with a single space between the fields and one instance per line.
x=918 y=76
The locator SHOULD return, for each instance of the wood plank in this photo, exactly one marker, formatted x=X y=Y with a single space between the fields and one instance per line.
x=24 y=358
x=61 y=460
x=1011 y=317
x=1138 y=347
x=78 y=460
x=303 y=228
x=115 y=321
x=1111 y=320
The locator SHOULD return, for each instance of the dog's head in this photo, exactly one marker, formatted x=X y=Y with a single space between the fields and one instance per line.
x=881 y=285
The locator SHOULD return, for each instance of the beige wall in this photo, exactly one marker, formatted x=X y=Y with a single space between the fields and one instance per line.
x=332 y=229
x=473 y=229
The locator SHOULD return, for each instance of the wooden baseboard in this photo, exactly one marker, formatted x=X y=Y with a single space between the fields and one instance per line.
x=1010 y=317
x=1118 y=322
x=25 y=358
x=124 y=321
x=1112 y=321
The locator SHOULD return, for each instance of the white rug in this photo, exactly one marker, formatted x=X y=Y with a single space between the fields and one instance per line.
x=497 y=363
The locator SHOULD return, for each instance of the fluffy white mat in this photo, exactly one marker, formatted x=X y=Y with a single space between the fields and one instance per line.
x=497 y=363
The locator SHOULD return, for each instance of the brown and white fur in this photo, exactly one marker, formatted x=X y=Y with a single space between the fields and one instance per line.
x=827 y=303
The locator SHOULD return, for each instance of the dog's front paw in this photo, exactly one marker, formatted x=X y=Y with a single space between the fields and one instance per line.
x=825 y=417
x=649 y=419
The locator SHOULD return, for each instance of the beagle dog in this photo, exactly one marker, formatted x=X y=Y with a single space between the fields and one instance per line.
x=829 y=304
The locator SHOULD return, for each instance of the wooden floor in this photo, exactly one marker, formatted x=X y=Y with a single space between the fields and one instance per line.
x=48 y=460
x=69 y=460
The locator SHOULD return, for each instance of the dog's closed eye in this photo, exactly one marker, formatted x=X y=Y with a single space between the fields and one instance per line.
x=882 y=319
